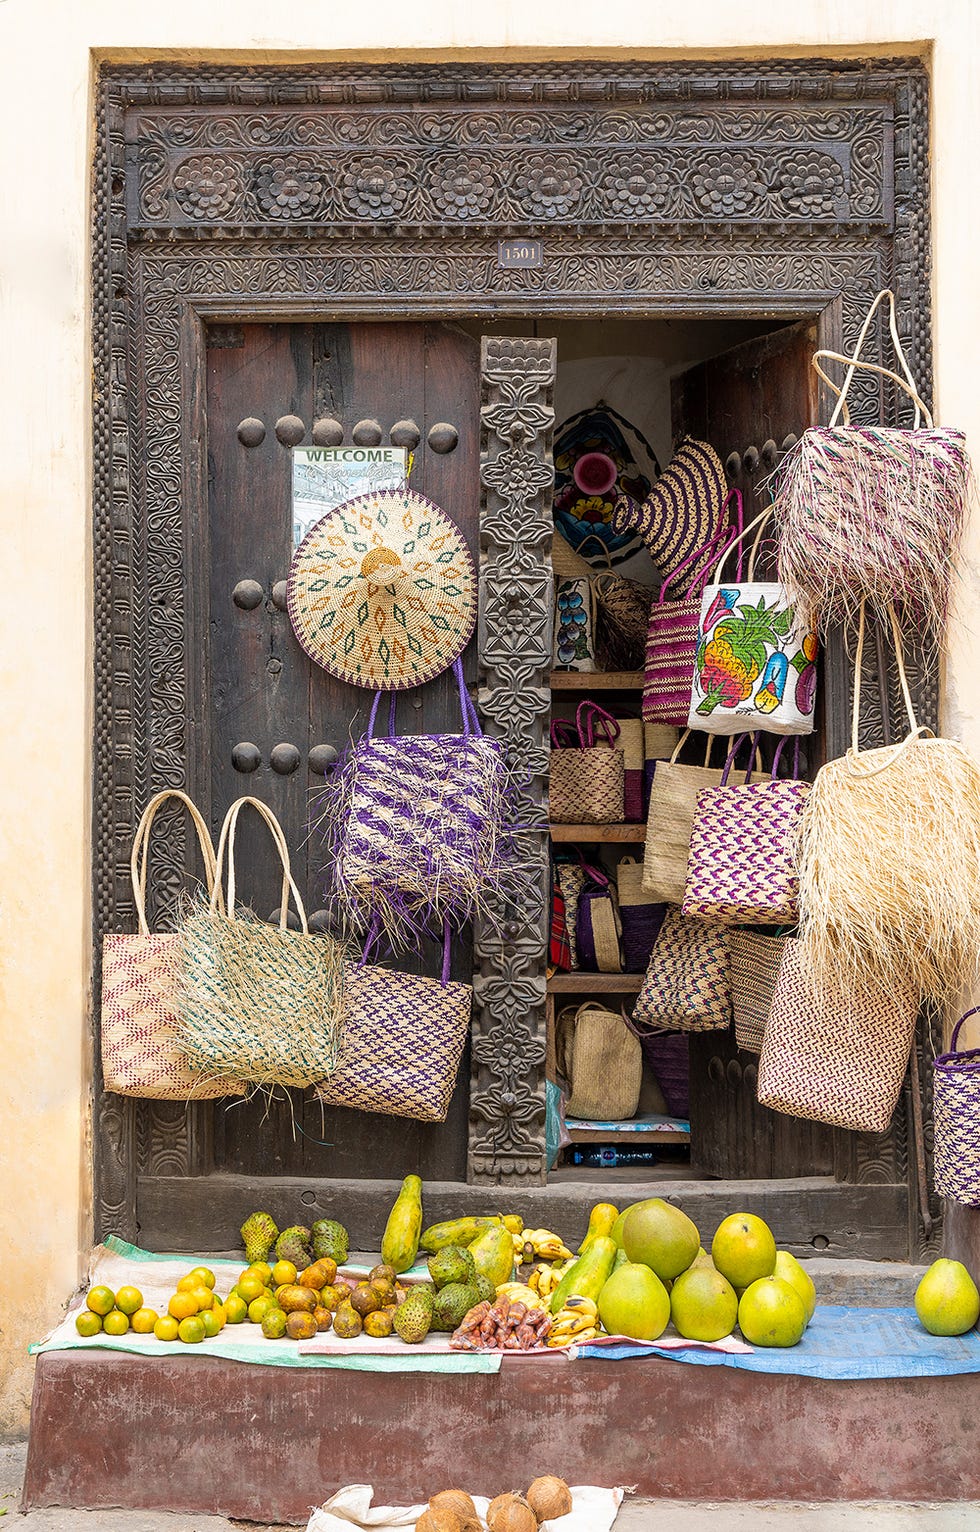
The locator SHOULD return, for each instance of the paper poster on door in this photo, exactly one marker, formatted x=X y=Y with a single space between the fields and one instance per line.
x=324 y=477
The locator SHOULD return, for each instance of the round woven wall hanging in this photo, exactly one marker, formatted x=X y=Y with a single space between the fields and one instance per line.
x=382 y=591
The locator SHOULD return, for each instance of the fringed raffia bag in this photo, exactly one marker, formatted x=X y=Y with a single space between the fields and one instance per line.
x=258 y=1001
x=888 y=862
x=871 y=513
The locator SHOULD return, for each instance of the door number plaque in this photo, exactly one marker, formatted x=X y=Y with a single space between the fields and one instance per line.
x=520 y=252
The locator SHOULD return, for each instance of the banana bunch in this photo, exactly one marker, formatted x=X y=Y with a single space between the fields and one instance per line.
x=517 y=1292
x=544 y=1279
x=577 y=1321
x=539 y=1245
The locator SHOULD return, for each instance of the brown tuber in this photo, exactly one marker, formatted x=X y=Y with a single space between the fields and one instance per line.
x=511 y=1513
x=549 y=1498
x=461 y=1505
x=438 y=1521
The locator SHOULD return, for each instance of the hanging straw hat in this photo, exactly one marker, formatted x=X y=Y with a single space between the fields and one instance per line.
x=684 y=508
x=382 y=591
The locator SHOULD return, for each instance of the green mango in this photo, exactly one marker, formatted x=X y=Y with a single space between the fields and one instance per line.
x=400 y=1244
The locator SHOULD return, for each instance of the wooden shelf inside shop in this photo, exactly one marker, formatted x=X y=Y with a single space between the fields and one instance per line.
x=629 y=1136
x=628 y=834
x=579 y=983
x=597 y=680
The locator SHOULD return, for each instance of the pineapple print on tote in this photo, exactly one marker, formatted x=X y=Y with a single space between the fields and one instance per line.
x=752 y=665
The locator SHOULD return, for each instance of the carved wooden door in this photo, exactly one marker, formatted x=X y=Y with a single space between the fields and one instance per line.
x=750 y=403
x=269 y=720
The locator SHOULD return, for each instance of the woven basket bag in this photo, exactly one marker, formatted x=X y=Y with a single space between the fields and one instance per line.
x=742 y=863
x=670 y=820
x=586 y=781
x=598 y=927
x=956 y=1103
x=604 y=1061
x=257 y=1000
x=141 y=1050
x=688 y=981
x=838 y=1058
x=640 y=915
x=755 y=969
x=631 y=744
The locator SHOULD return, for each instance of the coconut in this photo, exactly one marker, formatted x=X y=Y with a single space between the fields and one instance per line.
x=511 y=1513
x=438 y=1521
x=459 y=1502
x=549 y=1498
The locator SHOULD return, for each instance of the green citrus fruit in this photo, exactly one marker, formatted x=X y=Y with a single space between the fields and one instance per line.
x=273 y=1324
x=204 y=1274
x=283 y=1274
x=771 y=1313
x=250 y=1286
x=191 y=1330
x=946 y=1300
x=116 y=1323
x=211 y=1323
x=660 y=1236
x=143 y=1321
x=743 y=1249
x=703 y=1304
x=129 y=1299
x=634 y=1302
x=88 y=1323
x=263 y=1271
x=166 y=1328
x=789 y=1269
x=101 y=1300
x=236 y=1309
x=258 y=1308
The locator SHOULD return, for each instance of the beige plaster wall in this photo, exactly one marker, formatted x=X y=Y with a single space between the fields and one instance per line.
x=47 y=49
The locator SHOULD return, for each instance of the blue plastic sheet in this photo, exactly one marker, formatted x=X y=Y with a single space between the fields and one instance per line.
x=840 y=1343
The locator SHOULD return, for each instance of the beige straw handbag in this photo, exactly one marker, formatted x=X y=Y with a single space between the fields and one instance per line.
x=603 y=1060
x=141 y=1052
x=673 y=801
x=586 y=778
x=261 y=1001
x=634 y=760
x=755 y=959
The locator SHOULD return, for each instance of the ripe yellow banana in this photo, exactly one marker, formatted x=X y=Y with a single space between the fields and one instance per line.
x=544 y=1280
x=540 y=1244
x=577 y=1321
x=518 y=1292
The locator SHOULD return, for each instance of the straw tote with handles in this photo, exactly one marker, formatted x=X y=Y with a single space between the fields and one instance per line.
x=586 y=783
x=141 y=1051
x=673 y=801
x=872 y=513
x=261 y=1001
x=956 y=1099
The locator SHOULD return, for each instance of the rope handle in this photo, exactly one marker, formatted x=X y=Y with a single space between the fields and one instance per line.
x=562 y=734
x=227 y=840
x=956 y=1030
x=471 y=720
x=853 y=364
x=684 y=737
x=597 y=721
x=754 y=756
x=593 y=537
x=757 y=521
x=705 y=551
x=917 y=730
x=140 y=852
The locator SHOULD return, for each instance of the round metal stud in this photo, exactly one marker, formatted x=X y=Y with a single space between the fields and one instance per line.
x=320 y=759
x=251 y=432
x=367 y=433
x=768 y=453
x=284 y=759
x=245 y=756
x=733 y=465
x=290 y=430
x=319 y=922
x=788 y=443
x=279 y=591
x=405 y=433
x=327 y=432
x=750 y=459
x=248 y=595
x=734 y=1073
x=293 y=922
x=442 y=437
x=716 y=1070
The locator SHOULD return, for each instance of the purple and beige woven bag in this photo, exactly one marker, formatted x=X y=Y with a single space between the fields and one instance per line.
x=956 y=1099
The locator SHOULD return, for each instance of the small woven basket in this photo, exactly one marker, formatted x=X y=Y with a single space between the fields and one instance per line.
x=956 y=1097
x=640 y=914
x=668 y=1055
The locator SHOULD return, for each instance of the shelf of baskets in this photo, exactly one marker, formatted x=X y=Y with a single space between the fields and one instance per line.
x=596 y=680
x=632 y=834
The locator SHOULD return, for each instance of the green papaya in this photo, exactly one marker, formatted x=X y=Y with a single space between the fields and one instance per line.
x=400 y=1244
x=493 y=1254
x=587 y=1275
x=455 y=1231
x=602 y=1220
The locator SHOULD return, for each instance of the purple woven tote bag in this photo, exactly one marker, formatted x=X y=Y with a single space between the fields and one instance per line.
x=956 y=1100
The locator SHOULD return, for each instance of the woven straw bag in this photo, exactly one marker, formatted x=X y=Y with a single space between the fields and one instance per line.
x=872 y=513
x=261 y=1002
x=622 y=610
x=604 y=1062
x=659 y=744
x=141 y=1051
x=956 y=1103
x=598 y=928
x=688 y=982
x=683 y=510
x=673 y=634
x=570 y=876
x=673 y=801
x=631 y=744
x=742 y=863
x=834 y=1055
x=586 y=782
x=640 y=915
x=755 y=665
x=755 y=968
x=401 y=1042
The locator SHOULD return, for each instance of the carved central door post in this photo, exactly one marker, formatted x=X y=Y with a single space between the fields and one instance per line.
x=507 y=1099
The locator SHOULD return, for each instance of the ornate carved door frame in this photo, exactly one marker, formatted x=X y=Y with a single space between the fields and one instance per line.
x=745 y=189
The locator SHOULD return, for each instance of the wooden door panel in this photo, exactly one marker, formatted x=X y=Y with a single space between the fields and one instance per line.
x=262 y=690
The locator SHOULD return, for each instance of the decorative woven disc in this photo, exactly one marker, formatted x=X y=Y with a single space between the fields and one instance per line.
x=382 y=591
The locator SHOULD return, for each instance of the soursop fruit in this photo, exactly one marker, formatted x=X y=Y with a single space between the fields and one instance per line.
x=293 y=1245
x=452 y=1305
x=259 y=1234
x=452 y=1264
x=330 y=1239
x=413 y=1318
x=485 y=1290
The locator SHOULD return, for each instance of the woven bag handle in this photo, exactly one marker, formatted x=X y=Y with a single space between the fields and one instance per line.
x=754 y=756
x=562 y=734
x=141 y=845
x=853 y=365
x=471 y=720
x=686 y=736
x=227 y=841
x=593 y=537
x=777 y=755
x=757 y=521
x=705 y=551
x=917 y=730
x=596 y=721
x=954 y=1040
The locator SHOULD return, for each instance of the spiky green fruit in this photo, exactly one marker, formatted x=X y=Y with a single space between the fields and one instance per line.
x=413 y=1318
x=485 y=1290
x=259 y=1234
x=453 y=1303
x=293 y=1245
x=330 y=1240
x=451 y=1265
